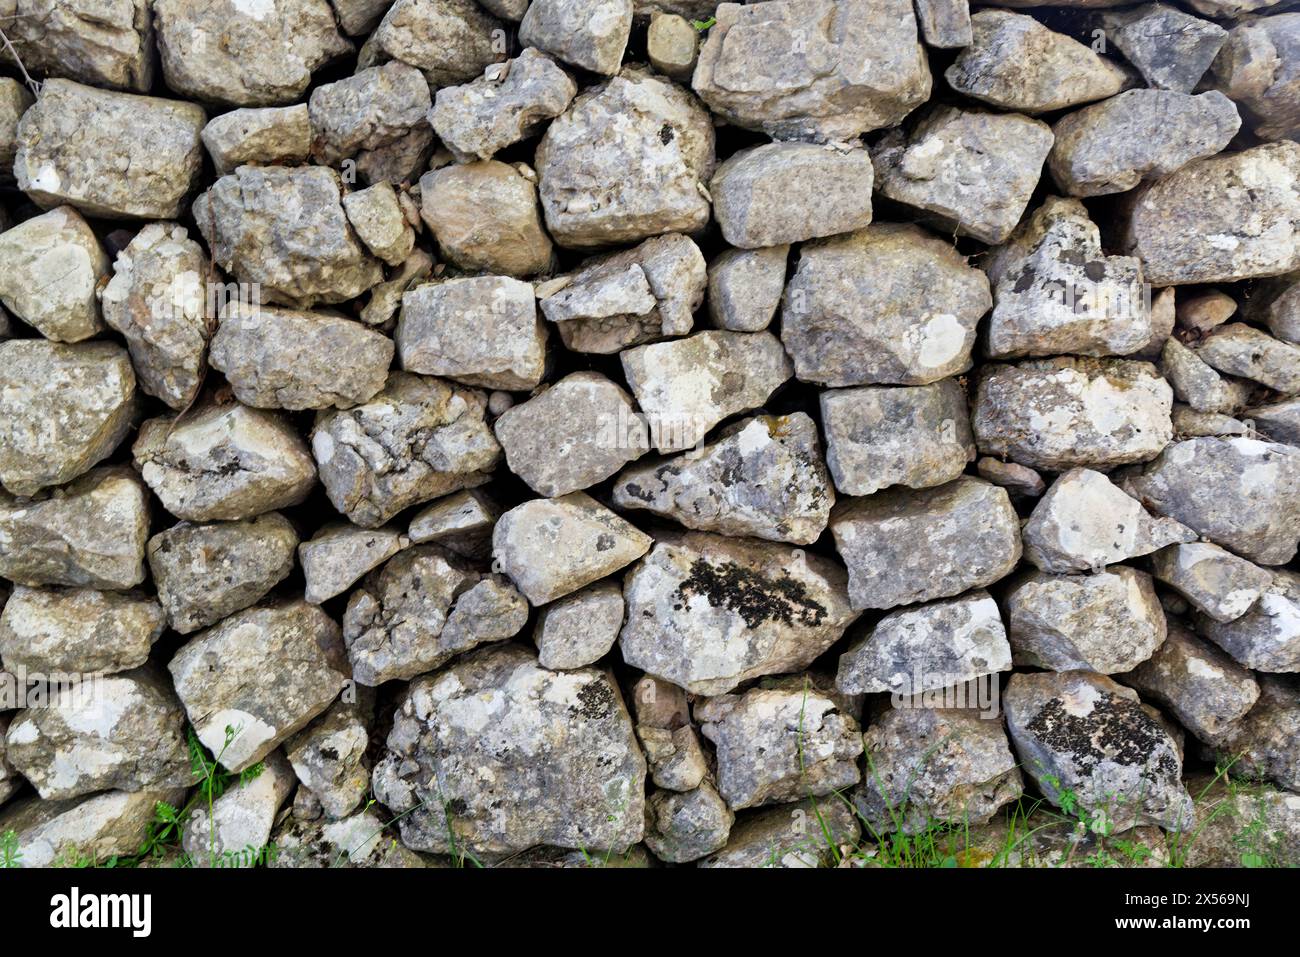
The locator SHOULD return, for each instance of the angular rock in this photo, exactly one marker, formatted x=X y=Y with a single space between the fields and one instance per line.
x=552 y=547
x=204 y=573
x=762 y=477
x=878 y=436
x=89 y=533
x=1244 y=826
x=745 y=287
x=1085 y=522
x=15 y=98
x=1015 y=63
x=1170 y=48
x=112 y=155
x=790 y=835
x=1195 y=382
x=813 y=69
x=158 y=301
x=627 y=160
x=1240 y=493
x=461 y=522
x=1188 y=423
x=775 y=745
x=967 y=171
x=677 y=761
x=1019 y=480
x=687 y=386
x=339 y=554
x=1262 y=744
x=935 y=764
x=417 y=439
x=1058 y=414
x=376 y=214
x=283 y=231
x=485 y=217
x=284 y=359
x=508 y=103
x=77 y=631
x=628 y=298
x=242 y=54
x=120 y=731
x=367 y=111
x=927 y=648
x=482 y=331
x=1242 y=350
x=561 y=768
x=782 y=193
x=1112 y=146
x=400 y=162
x=224 y=462
x=1265 y=638
x=1217 y=583
x=579 y=629
x=904 y=546
x=1055 y=291
x=709 y=613
x=78 y=832
x=1086 y=734
x=1200 y=685
x=10 y=780
x=109 y=46
x=355 y=841
x=1229 y=217
x=1279 y=421
x=1258 y=68
x=890 y=304
x=237 y=832
x=591 y=34
x=222 y=679
x=50 y=267
x=63 y=408
x=684 y=827
x=272 y=135
x=1206 y=311
x=329 y=758
x=450 y=41
x=386 y=297
x=1107 y=622
x=944 y=23
x=577 y=432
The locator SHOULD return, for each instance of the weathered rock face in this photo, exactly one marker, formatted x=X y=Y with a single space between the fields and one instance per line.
x=1085 y=522
x=112 y=155
x=745 y=287
x=878 y=436
x=63 y=408
x=1196 y=383
x=294 y=40
x=284 y=229
x=1234 y=815
x=935 y=764
x=967 y=171
x=377 y=214
x=15 y=98
x=639 y=295
x=222 y=680
x=450 y=41
x=269 y=135
x=282 y=359
x=50 y=267
x=1140 y=134
x=1015 y=63
x=224 y=462
x=157 y=300
x=1238 y=492
x=890 y=304
x=1055 y=291
x=609 y=174
x=340 y=554
x=77 y=631
x=1262 y=744
x=561 y=766
x=709 y=613
x=928 y=648
x=904 y=546
x=1107 y=622
x=461 y=522
x=1170 y=48
x=205 y=572
x=89 y=533
x=580 y=628
x=109 y=46
x=590 y=34
x=762 y=477
x=353 y=841
x=1216 y=582
x=420 y=609
x=1202 y=687
x=1233 y=216
x=1063 y=413
x=1267 y=637
x=1241 y=350
x=552 y=547
x=1085 y=733
x=239 y=825
x=672 y=45
x=684 y=827
x=813 y=69
x=508 y=103
x=1258 y=69
x=789 y=835
x=367 y=111
x=67 y=832
x=329 y=758
x=687 y=386
x=775 y=744
x=116 y=732
x=417 y=439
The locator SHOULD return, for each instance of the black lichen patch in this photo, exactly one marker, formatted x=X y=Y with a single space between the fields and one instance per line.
x=755 y=598
x=596 y=701
x=1116 y=730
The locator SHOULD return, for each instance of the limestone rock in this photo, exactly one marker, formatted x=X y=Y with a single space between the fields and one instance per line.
x=1206 y=311
x=63 y=408
x=386 y=297
x=1197 y=383
x=1265 y=638
x=579 y=629
x=1279 y=421
x=355 y=841
x=268 y=135
x=417 y=439
x=745 y=287
x=70 y=831
x=1258 y=68
x=1216 y=582
x=367 y=111
x=376 y=214
x=50 y=267
x=789 y=835
x=672 y=46
x=224 y=462
x=112 y=155
x=591 y=34
x=238 y=830
x=677 y=761
x=1019 y=480
x=461 y=522
x=1170 y=48
x=944 y=23
x=339 y=554
x=222 y=678
x=110 y=46
x=450 y=41
x=890 y=304
x=1262 y=744
x=77 y=631
x=684 y=827
x=1242 y=350
x=904 y=546
x=329 y=758
x=1251 y=826
x=15 y=98
x=205 y=572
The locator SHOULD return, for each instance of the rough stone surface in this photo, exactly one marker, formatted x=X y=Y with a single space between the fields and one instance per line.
x=788 y=836
x=1170 y=48
x=77 y=631
x=50 y=267
x=1216 y=582
x=329 y=758
x=944 y=23
x=745 y=287
x=684 y=827
x=267 y=135
x=579 y=629
x=450 y=41
x=376 y=214
x=70 y=831
x=461 y=522
x=1267 y=637
x=338 y=555
x=590 y=34
x=1258 y=68
x=1262 y=744
x=367 y=111
x=240 y=821
x=104 y=46
x=1197 y=383
x=1241 y=350
x=672 y=46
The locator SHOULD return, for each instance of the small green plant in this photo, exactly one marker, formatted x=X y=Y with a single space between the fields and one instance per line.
x=10 y=856
x=703 y=25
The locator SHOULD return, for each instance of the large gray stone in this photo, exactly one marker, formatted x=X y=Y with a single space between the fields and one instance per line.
x=590 y=34
x=1265 y=638
x=450 y=41
x=368 y=111
x=1216 y=582
x=110 y=46
x=340 y=553
x=1240 y=350
x=1259 y=67
x=745 y=287
x=269 y=135
x=1262 y=744
x=50 y=268
x=46 y=631
x=1170 y=48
